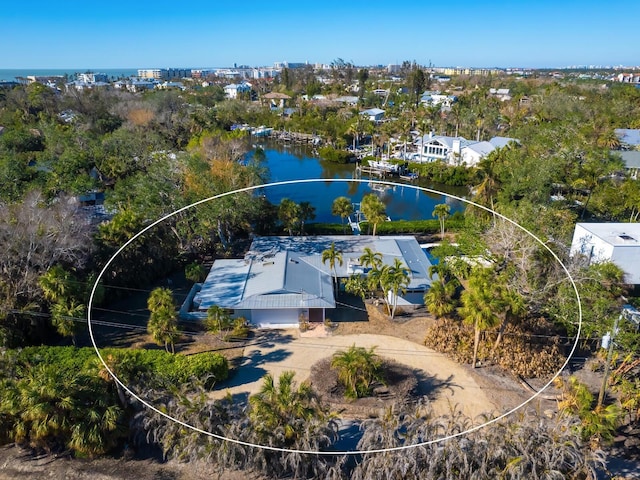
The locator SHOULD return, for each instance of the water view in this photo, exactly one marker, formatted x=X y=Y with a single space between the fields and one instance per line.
x=295 y=162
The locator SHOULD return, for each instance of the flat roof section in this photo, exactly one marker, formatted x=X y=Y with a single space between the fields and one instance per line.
x=616 y=234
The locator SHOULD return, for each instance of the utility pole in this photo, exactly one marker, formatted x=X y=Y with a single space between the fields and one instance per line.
x=603 y=387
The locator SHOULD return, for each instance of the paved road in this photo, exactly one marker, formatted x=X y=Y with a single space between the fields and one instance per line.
x=276 y=352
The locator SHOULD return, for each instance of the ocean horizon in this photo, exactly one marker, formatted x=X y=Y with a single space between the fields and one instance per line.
x=11 y=74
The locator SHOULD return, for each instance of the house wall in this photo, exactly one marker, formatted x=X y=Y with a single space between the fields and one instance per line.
x=282 y=318
x=627 y=257
x=591 y=246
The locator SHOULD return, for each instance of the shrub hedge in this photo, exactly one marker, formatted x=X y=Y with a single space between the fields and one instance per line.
x=154 y=364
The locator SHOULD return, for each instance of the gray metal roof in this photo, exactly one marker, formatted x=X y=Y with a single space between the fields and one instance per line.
x=631 y=158
x=287 y=272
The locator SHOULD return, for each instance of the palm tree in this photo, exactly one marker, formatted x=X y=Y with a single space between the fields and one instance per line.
x=333 y=256
x=608 y=139
x=515 y=306
x=289 y=214
x=342 y=207
x=163 y=321
x=160 y=298
x=282 y=409
x=358 y=369
x=374 y=210
x=441 y=211
x=439 y=298
x=479 y=305
x=65 y=316
x=218 y=321
x=395 y=280
x=370 y=259
x=55 y=283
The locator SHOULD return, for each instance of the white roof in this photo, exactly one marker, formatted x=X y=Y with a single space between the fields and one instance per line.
x=628 y=136
x=444 y=140
x=482 y=148
x=372 y=111
x=616 y=234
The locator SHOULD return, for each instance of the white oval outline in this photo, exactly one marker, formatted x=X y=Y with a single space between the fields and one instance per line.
x=348 y=452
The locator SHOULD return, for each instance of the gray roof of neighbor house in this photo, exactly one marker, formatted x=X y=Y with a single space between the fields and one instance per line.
x=501 y=142
x=310 y=249
x=628 y=136
x=631 y=158
x=483 y=148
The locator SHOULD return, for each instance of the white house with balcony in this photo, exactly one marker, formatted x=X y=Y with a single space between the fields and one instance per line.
x=456 y=150
x=615 y=242
x=234 y=89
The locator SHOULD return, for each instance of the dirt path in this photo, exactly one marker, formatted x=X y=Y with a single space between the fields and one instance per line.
x=444 y=381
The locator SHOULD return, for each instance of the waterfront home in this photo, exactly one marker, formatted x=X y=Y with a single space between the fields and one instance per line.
x=456 y=150
x=283 y=279
x=615 y=242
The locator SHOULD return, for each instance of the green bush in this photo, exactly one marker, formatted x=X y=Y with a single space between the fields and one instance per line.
x=334 y=155
x=155 y=365
x=440 y=172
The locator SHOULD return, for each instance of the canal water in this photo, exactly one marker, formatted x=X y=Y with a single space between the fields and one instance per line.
x=298 y=162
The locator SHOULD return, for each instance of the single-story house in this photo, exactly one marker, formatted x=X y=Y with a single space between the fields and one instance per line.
x=283 y=279
x=615 y=242
x=373 y=114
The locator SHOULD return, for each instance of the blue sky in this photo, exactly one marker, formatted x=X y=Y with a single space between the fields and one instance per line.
x=158 y=33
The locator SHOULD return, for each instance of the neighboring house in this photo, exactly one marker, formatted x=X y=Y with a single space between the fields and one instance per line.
x=276 y=100
x=167 y=85
x=347 y=99
x=457 y=150
x=473 y=153
x=233 y=90
x=373 y=114
x=631 y=159
x=615 y=242
x=629 y=138
x=502 y=94
x=436 y=98
x=283 y=279
x=139 y=85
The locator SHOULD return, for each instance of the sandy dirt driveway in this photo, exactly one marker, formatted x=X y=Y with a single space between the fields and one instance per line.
x=444 y=381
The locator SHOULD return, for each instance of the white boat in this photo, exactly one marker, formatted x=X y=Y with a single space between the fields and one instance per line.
x=384 y=166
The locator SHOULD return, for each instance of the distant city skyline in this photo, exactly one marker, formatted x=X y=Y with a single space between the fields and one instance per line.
x=498 y=33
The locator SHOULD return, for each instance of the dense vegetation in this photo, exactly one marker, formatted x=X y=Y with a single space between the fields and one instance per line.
x=149 y=154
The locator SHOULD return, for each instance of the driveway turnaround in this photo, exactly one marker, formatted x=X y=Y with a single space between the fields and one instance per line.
x=275 y=352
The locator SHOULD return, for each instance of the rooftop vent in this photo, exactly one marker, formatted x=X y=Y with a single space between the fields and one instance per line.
x=626 y=238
